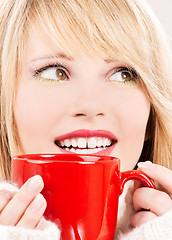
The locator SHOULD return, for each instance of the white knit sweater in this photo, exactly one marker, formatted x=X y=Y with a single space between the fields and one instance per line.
x=157 y=229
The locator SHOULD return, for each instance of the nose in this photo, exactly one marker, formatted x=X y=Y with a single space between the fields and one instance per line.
x=88 y=102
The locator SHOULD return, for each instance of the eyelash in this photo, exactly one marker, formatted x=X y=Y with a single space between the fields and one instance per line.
x=127 y=69
x=134 y=74
x=49 y=66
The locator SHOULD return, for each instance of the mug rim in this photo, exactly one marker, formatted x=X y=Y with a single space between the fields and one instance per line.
x=71 y=157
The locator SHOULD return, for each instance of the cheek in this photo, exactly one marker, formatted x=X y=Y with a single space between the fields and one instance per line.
x=29 y=110
x=134 y=113
x=36 y=111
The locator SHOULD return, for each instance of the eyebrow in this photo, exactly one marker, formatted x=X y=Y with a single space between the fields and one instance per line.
x=62 y=55
x=57 y=55
x=109 y=60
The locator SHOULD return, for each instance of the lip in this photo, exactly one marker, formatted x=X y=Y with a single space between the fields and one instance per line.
x=89 y=133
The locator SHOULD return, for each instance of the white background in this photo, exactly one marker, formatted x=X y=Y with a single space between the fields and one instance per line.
x=163 y=10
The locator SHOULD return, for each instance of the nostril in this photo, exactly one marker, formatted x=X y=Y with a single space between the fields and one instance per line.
x=100 y=114
x=85 y=115
x=80 y=115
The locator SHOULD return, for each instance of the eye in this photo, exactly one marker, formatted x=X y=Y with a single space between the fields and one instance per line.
x=52 y=72
x=124 y=75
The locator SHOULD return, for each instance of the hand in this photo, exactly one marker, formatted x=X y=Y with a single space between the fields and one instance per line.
x=150 y=203
x=24 y=208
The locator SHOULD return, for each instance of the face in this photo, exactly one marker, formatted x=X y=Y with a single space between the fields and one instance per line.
x=83 y=105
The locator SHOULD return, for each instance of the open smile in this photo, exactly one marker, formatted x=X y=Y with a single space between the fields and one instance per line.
x=87 y=142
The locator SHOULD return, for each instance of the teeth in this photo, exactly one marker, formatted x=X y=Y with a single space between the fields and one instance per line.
x=71 y=150
x=82 y=143
x=74 y=142
x=85 y=145
x=106 y=142
x=99 y=142
x=92 y=143
x=95 y=150
x=84 y=151
x=62 y=143
x=79 y=151
x=67 y=142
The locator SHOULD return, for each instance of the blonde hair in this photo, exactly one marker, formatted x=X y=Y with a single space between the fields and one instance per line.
x=125 y=30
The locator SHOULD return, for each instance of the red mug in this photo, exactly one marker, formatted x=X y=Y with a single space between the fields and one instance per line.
x=81 y=191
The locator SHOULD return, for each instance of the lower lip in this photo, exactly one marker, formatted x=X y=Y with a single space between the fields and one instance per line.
x=105 y=152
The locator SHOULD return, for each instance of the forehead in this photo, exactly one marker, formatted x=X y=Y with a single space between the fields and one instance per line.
x=41 y=50
x=41 y=44
x=79 y=29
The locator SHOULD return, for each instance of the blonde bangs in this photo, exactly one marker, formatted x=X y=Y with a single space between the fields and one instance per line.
x=113 y=30
x=97 y=28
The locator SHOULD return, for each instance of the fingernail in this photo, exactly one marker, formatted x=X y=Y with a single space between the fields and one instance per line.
x=37 y=203
x=148 y=165
x=34 y=184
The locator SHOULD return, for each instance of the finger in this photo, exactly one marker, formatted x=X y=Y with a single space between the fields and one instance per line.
x=42 y=224
x=5 y=197
x=137 y=184
x=158 y=173
x=142 y=217
x=33 y=213
x=156 y=201
x=14 y=210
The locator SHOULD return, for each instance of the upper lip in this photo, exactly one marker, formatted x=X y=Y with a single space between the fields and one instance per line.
x=87 y=133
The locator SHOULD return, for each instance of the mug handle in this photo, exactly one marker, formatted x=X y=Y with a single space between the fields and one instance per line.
x=136 y=175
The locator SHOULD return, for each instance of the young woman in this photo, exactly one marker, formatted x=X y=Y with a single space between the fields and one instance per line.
x=85 y=77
